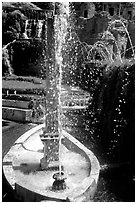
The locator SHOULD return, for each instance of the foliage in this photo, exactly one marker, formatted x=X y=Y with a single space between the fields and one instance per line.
x=13 y=24
x=34 y=80
x=28 y=57
x=44 y=5
x=23 y=85
x=17 y=97
x=112 y=108
x=10 y=6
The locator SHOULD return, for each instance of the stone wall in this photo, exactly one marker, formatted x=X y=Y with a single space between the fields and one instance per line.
x=87 y=10
x=89 y=28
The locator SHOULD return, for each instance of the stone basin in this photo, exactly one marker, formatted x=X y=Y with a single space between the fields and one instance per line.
x=21 y=167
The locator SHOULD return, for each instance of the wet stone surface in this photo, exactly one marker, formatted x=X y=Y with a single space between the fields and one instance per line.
x=114 y=185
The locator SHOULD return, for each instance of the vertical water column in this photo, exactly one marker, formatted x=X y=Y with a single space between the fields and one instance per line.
x=51 y=137
x=60 y=26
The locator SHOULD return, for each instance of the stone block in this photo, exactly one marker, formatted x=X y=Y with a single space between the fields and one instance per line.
x=16 y=114
x=15 y=103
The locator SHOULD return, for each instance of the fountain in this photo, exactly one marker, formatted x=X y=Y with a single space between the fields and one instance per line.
x=105 y=47
x=122 y=28
x=47 y=163
x=102 y=49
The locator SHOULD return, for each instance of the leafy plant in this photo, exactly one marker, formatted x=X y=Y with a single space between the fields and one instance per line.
x=13 y=24
x=28 y=57
x=112 y=108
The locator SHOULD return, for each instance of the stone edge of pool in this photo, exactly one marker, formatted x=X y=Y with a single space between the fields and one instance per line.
x=87 y=187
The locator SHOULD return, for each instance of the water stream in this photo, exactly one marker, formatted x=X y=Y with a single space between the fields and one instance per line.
x=61 y=25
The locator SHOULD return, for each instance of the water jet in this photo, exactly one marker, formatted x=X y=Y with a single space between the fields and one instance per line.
x=47 y=163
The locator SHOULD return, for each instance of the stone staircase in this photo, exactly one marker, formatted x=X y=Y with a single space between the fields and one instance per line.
x=74 y=104
x=19 y=111
x=73 y=98
x=14 y=108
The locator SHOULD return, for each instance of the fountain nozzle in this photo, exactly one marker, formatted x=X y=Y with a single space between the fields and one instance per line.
x=59 y=183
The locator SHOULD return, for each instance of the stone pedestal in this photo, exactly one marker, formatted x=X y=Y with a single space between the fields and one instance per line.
x=51 y=150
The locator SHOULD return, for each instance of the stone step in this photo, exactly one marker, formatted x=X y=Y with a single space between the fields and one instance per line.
x=74 y=108
x=16 y=104
x=16 y=114
x=74 y=102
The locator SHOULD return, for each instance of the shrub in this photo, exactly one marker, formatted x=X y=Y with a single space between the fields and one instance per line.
x=112 y=109
x=28 y=57
x=12 y=23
